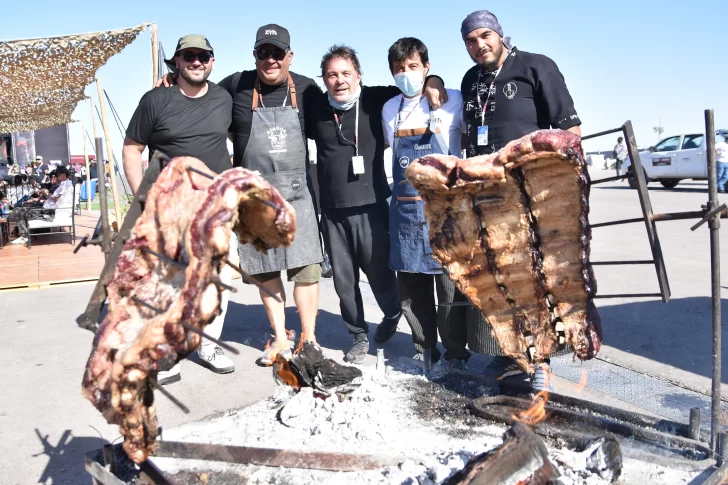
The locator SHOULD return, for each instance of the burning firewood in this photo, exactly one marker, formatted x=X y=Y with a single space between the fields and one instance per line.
x=522 y=459
x=308 y=367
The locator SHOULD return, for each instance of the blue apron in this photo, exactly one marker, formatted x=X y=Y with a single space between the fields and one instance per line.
x=409 y=240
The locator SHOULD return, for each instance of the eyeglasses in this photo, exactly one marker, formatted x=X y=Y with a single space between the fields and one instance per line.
x=263 y=53
x=204 y=57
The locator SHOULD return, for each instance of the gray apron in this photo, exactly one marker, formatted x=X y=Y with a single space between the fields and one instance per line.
x=276 y=149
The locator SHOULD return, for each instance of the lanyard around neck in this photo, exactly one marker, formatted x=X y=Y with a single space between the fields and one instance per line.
x=356 y=128
x=399 y=120
x=491 y=88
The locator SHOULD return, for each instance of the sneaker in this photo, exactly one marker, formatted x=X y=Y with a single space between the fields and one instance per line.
x=457 y=364
x=386 y=330
x=358 y=352
x=20 y=240
x=502 y=367
x=170 y=376
x=420 y=356
x=214 y=358
x=541 y=379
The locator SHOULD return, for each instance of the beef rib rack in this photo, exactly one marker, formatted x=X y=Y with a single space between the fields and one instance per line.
x=512 y=230
x=187 y=219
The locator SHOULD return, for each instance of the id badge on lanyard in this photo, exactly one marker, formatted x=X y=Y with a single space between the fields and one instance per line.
x=357 y=161
x=483 y=128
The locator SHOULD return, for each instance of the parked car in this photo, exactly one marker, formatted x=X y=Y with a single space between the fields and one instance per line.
x=676 y=158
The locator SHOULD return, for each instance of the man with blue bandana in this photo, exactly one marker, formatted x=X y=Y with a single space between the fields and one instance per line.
x=509 y=93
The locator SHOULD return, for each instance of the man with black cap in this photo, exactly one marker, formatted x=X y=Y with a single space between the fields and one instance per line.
x=189 y=119
x=506 y=95
x=269 y=136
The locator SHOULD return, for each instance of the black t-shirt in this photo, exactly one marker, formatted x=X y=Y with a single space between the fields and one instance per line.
x=168 y=121
x=41 y=173
x=240 y=87
x=528 y=94
x=338 y=186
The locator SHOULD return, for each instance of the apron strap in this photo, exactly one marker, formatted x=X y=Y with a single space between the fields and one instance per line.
x=292 y=89
x=256 y=93
x=401 y=133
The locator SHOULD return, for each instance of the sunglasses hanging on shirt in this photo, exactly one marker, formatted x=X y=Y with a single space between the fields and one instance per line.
x=263 y=53
x=204 y=57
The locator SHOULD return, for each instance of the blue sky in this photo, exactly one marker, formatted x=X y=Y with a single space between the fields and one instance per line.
x=624 y=59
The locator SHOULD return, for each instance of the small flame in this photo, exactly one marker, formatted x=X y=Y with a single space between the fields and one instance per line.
x=582 y=382
x=285 y=373
x=537 y=412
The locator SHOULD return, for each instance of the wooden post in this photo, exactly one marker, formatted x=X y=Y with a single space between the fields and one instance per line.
x=155 y=55
x=88 y=169
x=112 y=160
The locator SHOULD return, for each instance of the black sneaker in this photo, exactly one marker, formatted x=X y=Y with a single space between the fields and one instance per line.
x=386 y=330
x=358 y=352
x=502 y=367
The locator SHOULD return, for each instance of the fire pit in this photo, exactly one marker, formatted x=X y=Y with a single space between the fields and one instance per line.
x=399 y=427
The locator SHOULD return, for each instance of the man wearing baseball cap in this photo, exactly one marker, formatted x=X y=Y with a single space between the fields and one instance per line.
x=189 y=119
x=269 y=135
x=509 y=93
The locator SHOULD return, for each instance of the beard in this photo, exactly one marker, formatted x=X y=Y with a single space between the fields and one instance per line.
x=497 y=52
x=193 y=81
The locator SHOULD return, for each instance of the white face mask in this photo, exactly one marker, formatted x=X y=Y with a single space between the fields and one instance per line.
x=410 y=82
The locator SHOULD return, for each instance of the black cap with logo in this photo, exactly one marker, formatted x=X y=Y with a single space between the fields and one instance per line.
x=273 y=34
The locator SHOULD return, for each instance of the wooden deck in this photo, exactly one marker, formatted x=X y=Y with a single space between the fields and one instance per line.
x=51 y=260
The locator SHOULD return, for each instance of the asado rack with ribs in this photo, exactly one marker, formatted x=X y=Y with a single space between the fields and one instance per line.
x=188 y=219
x=512 y=231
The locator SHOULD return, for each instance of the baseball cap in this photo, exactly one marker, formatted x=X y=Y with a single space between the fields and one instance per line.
x=273 y=34
x=39 y=157
x=191 y=41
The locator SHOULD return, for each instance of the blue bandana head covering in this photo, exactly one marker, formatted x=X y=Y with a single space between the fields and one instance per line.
x=483 y=19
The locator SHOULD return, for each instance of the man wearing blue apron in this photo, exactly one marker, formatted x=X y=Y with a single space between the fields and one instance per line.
x=509 y=93
x=268 y=137
x=413 y=130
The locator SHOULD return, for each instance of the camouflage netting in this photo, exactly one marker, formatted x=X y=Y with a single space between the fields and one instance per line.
x=42 y=80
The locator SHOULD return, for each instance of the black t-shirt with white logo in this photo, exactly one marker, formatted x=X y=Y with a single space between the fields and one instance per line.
x=170 y=122
x=529 y=93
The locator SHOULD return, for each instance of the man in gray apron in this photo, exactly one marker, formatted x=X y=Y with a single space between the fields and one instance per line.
x=413 y=130
x=268 y=137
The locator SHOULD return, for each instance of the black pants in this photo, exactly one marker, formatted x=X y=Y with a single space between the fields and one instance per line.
x=358 y=238
x=21 y=215
x=425 y=318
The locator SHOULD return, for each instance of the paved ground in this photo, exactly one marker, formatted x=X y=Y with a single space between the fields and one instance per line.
x=656 y=358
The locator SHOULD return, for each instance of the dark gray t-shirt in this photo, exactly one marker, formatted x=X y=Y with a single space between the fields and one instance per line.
x=168 y=121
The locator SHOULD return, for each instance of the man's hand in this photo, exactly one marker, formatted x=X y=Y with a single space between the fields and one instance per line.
x=435 y=92
x=169 y=79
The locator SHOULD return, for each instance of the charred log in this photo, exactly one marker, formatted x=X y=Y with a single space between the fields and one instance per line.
x=522 y=459
x=312 y=369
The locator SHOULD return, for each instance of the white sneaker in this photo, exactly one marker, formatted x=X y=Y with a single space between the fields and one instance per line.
x=19 y=240
x=170 y=376
x=214 y=358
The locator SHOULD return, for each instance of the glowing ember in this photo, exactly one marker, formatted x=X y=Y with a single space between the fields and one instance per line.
x=285 y=373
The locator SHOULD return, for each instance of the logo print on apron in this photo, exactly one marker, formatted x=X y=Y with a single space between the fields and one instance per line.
x=277 y=137
x=404 y=162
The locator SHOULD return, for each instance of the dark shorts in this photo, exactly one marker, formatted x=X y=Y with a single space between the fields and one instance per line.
x=304 y=274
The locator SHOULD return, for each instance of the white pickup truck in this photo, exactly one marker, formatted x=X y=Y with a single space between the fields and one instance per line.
x=676 y=158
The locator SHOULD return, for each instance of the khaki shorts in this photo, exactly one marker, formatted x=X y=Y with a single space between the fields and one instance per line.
x=304 y=274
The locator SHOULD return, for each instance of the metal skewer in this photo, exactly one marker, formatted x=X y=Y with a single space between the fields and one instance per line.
x=216 y=281
x=264 y=201
x=189 y=327
x=257 y=283
x=169 y=396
